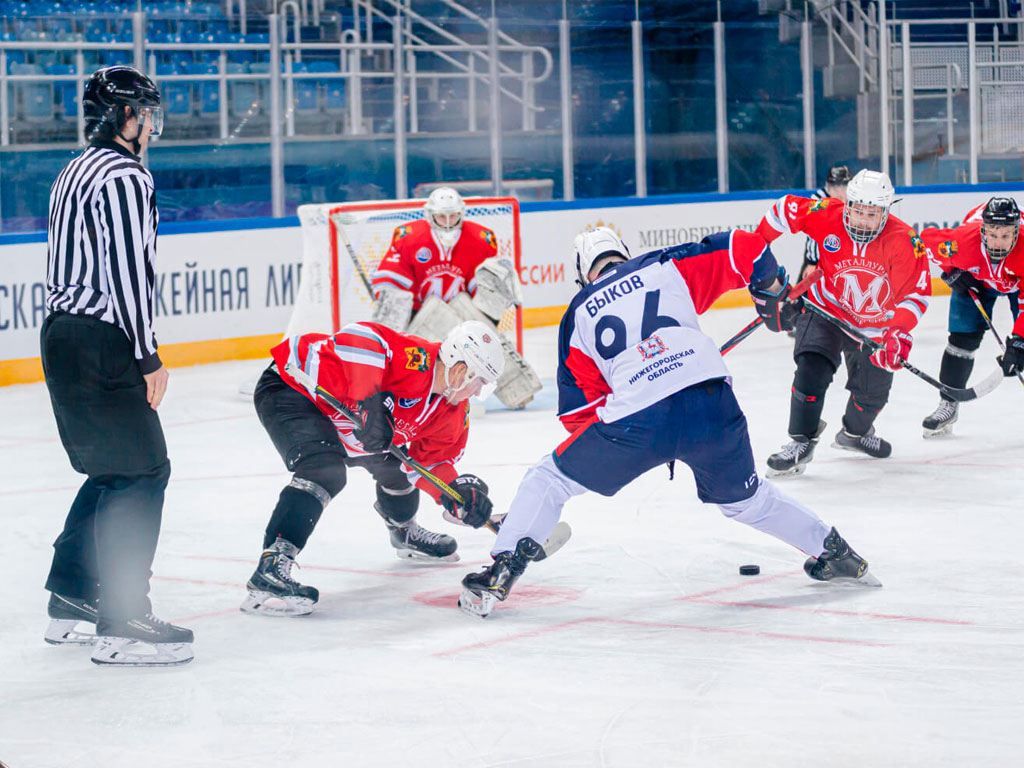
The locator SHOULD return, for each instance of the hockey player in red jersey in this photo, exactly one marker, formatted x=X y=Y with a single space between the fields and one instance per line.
x=985 y=255
x=640 y=385
x=444 y=269
x=875 y=277
x=405 y=391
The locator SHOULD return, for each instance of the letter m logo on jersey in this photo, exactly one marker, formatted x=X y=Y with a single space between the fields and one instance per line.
x=417 y=359
x=863 y=301
x=650 y=347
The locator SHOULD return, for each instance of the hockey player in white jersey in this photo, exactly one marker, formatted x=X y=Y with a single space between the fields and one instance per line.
x=640 y=385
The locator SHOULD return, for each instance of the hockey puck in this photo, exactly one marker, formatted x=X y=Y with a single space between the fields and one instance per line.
x=750 y=570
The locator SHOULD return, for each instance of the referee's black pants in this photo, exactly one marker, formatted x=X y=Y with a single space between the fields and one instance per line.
x=112 y=436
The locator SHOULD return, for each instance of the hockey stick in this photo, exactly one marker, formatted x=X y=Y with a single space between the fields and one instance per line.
x=559 y=536
x=337 y=219
x=953 y=393
x=988 y=322
x=798 y=290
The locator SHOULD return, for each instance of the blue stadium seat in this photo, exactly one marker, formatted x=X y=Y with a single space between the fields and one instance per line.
x=36 y=98
x=334 y=90
x=207 y=91
x=176 y=97
x=243 y=97
x=67 y=91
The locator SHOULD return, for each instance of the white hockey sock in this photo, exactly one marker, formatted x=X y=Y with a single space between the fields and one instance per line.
x=537 y=506
x=773 y=512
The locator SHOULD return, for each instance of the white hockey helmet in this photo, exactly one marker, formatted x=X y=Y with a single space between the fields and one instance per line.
x=476 y=345
x=868 y=197
x=591 y=245
x=445 y=211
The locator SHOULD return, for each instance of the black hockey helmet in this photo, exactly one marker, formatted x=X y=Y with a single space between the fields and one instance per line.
x=1000 y=212
x=838 y=176
x=111 y=88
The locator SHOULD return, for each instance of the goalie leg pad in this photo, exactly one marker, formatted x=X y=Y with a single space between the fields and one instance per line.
x=392 y=308
x=435 y=319
x=518 y=382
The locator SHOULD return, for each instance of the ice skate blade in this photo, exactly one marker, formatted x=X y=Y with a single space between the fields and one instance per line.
x=868 y=579
x=126 y=652
x=797 y=470
x=415 y=554
x=858 y=451
x=945 y=429
x=266 y=604
x=63 y=632
x=477 y=605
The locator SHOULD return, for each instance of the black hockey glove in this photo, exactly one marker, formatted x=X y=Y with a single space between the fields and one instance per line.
x=1012 y=360
x=475 y=509
x=962 y=281
x=378 y=429
x=775 y=310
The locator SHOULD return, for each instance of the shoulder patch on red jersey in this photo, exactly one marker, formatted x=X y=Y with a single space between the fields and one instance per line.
x=487 y=235
x=948 y=249
x=915 y=240
x=465 y=423
x=401 y=231
x=820 y=205
x=417 y=359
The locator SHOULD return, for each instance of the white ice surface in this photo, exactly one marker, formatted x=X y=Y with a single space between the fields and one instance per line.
x=636 y=645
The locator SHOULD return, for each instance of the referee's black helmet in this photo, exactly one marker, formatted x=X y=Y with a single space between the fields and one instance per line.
x=113 y=87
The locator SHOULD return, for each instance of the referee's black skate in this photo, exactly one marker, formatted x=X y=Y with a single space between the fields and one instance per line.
x=480 y=591
x=66 y=615
x=795 y=455
x=412 y=540
x=942 y=419
x=272 y=590
x=869 y=443
x=145 y=641
x=838 y=562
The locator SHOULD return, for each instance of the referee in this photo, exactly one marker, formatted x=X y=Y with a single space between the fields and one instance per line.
x=106 y=380
x=835 y=186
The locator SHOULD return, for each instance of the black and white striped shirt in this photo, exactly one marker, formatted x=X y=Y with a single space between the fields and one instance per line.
x=101 y=244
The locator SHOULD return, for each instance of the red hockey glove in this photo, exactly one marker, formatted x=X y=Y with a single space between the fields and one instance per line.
x=896 y=344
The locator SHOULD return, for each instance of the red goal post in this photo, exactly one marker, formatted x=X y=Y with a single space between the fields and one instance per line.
x=344 y=242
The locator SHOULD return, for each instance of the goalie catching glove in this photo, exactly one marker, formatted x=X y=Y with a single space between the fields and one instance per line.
x=896 y=344
x=378 y=428
x=774 y=308
x=475 y=509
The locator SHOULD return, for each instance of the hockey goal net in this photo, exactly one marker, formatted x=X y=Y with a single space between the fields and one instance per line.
x=342 y=244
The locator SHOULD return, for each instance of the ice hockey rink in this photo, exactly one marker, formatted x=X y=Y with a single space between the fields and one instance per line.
x=638 y=644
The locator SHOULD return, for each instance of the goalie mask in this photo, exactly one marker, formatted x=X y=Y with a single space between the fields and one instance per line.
x=868 y=197
x=445 y=211
x=592 y=246
x=1000 y=227
x=476 y=345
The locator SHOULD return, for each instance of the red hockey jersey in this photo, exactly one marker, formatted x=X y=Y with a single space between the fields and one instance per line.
x=365 y=358
x=417 y=262
x=873 y=286
x=961 y=247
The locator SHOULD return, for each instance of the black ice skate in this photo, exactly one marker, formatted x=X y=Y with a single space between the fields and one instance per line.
x=942 y=419
x=480 y=591
x=411 y=540
x=142 y=642
x=838 y=562
x=272 y=590
x=66 y=614
x=795 y=455
x=869 y=443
